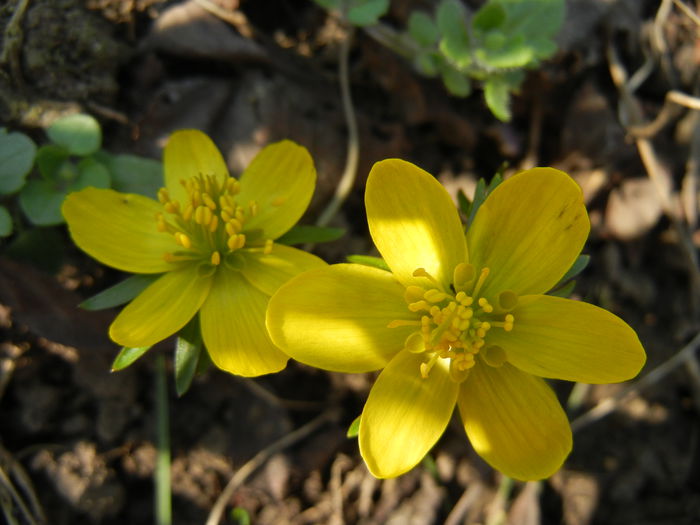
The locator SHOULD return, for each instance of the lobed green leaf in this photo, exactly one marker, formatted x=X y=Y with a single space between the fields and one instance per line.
x=422 y=29
x=119 y=294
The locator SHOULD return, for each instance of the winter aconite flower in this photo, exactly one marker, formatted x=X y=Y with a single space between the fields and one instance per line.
x=212 y=238
x=460 y=322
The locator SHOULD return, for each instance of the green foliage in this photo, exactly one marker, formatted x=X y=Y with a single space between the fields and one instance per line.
x=17 y=152
x=127 y=356
x=120 y=293
x=240 y=516
x=70 y=161
x=492 y=45
x=368 y=260
x=301 y=234
x=470 y=207
x=354 y=428
x=358 y=12
x=188 y=349
x=566 y=284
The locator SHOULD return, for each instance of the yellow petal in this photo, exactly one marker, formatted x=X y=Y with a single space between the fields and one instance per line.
x=188 y=153
x=336 y=318
x=514 y=421
x=118 y=229
x=233 y=327
x=161 y=309
x=529 y=232
x=571 y=340
x=413 y=222
x=405 y=415
x=281 y=181
x=267 y=272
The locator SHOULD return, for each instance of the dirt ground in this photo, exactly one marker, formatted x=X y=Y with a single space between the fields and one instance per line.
x=77 y=442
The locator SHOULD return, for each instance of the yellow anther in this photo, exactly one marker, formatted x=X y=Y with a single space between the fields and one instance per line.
x=421 y=272
x=183 y=240
x=484 y=304
x=160 y=223
x=236 y=242
x=213 y=224
x=279 y=201
x=413 y=294
x=418 y=306
x=196 y=198
x=208 y=202
x=239 y=214
x=402 y=322
x=434 y=296
x=172 y=206
x=187 y=212
x=216 y=258
x=232 y=186
x=267 y=250
x=253 y=207
x=163 y=195
x=508 y=324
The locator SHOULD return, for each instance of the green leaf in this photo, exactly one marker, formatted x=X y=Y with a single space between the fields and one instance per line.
x=367 y=12
x=80 y=134
x=240 y=516
x=91 y=173
x=532 y=18
x=188 y=348
x=563 y=291
x=120 y=293
x=41 y=201
x=368 y=260
x=354 y=428
x=133 y=174
x=452 y=22
x=422 y=29
x=497 y=95
x=17 y=153
x=579 y=265
x=426 y=63
x=51 y=159
x=5 y=222
x=300 y=234
x=490 y=16
x=329 y=4
x=463 y=202
x=480 y=194
x=501 y=52
x=127 y=356
x=457 y=83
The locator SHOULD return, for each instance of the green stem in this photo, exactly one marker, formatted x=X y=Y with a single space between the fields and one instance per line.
x=162 y=470
x=348 y=179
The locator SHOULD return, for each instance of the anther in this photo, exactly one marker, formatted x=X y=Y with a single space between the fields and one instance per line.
x=216 y=258
x=421 y=272
x=485 y=306
x=434 y=296
x=208 y=202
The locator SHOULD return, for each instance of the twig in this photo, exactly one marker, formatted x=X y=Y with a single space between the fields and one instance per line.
x=348 y=178
x=260 y=458
x=12 y=39
x=607 y=406
x=687 y=11
x=162 y=470
x=465 y=502
x=669 y=111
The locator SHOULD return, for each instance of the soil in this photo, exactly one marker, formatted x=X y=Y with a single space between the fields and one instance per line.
x=77 y=442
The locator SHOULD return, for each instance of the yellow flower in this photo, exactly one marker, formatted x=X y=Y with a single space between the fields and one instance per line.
x=460 y=323
x=211 y=236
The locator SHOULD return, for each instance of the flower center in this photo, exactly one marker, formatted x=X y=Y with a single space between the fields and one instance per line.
x=209 y=225
x=455 y=324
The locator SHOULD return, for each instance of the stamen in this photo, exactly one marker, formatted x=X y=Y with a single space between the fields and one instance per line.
x=402 y=322
x=216 y=258
x=426 y=367
x=413 y=294
x=485 y=306
x=208 y=202
x=480 y=282
x=434 y=296
x=421 y=272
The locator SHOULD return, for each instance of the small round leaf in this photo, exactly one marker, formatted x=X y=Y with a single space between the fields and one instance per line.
x=80 y=134
x=17 y=152
x=41 y=201
x=5 y=222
